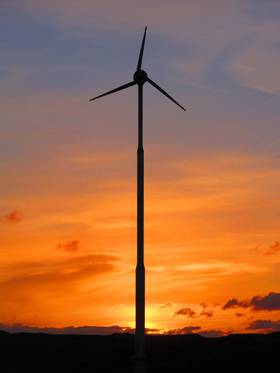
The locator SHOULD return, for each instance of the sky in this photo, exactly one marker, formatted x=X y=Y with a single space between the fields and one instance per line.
x=68 y=166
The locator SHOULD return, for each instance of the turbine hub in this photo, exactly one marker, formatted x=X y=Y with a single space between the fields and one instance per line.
x=140 y=76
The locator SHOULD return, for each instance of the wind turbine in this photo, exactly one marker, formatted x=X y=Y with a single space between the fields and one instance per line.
x=140 y=77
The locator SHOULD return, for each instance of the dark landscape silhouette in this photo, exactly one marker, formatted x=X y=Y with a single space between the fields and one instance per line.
x=114 y=353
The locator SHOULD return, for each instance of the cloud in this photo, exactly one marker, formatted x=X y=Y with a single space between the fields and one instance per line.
x=257 y=67
x=232 y=303
x=206 y=311
x=80 y=330
x=108 y=330
x=131 y=13
x=239 y=314
x=270 y=302
x=185 y=330
x=189 y=313
x=264 y=325
x=166 y=305
x=101 y=330
x=218 y=268
x=273 y=249
x=14 y=217
x=254 y=63
x=70 y=247
x=186 y=312
x=213 y=333
x=51 y=279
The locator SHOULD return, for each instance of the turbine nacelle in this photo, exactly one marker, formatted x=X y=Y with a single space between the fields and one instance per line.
x=140 y=76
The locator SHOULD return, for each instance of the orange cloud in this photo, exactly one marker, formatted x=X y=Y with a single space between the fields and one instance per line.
x=70 y=247
x=54 y=272
x=14 y=217
x=239 y=314
x=273 y=249
x=44 y=287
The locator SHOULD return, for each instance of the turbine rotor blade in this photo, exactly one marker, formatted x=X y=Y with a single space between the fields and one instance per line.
x=124 y=86
x=141 y=50
x=165 y=93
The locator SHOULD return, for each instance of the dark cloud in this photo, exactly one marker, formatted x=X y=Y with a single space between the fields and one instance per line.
x=270 y=302
x=185 y=330
x=188 y=312
x=212 y=333
x=264 y=325
x=233 y=303
x=108 y=330
x=70 y=247
x=273 y=249
x=239 y=314
x=85 y=330
x=102 y=330
x=14 y=217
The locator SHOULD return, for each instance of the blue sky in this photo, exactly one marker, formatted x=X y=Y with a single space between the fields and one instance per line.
x=219 y=65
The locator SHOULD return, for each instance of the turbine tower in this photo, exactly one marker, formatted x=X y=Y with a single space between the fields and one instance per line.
x=140 y=77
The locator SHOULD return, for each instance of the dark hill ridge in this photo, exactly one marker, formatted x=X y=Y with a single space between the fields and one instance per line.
x=42 y=353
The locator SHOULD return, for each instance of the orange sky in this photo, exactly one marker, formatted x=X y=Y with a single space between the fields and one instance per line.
x=69 y=259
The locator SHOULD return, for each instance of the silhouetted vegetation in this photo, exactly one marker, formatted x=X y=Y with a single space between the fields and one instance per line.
x=182 y=353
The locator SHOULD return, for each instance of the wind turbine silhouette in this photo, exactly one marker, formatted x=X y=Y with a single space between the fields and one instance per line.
x=140 y=77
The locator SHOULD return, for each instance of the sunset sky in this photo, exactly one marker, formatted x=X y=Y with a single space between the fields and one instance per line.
x=68 y=166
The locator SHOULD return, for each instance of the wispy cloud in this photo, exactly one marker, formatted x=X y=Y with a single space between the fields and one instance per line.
x=256 y=67
x=40 y=280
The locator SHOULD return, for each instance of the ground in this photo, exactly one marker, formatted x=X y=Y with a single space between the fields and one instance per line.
x=183 y=353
